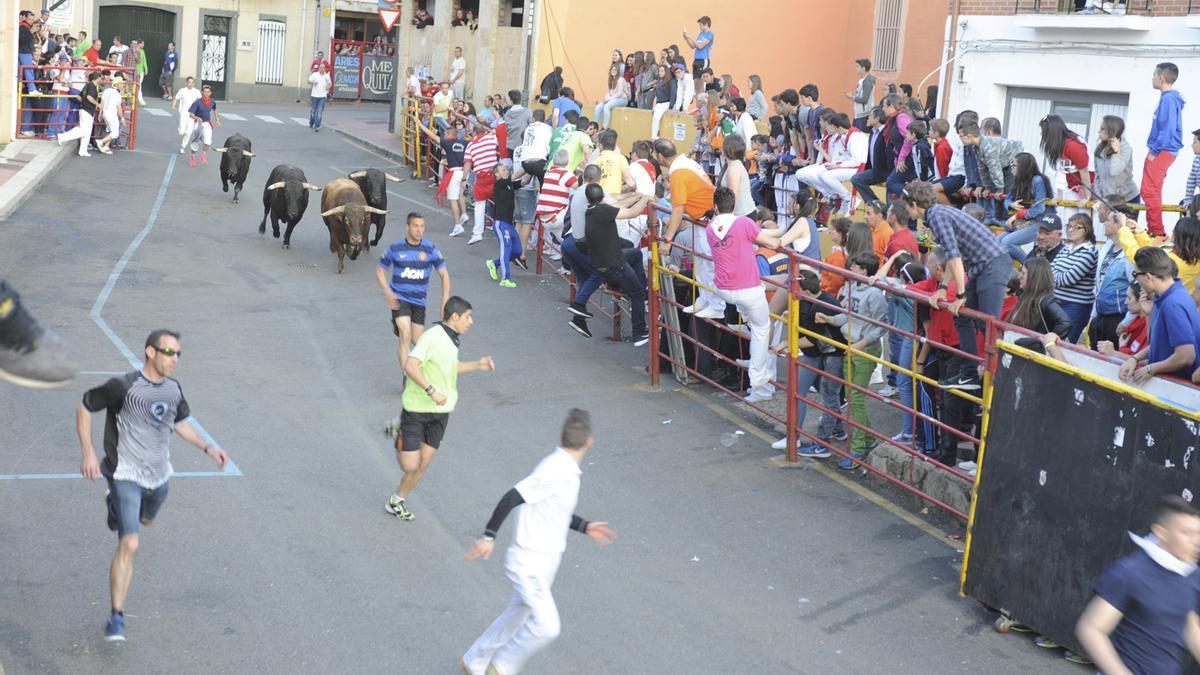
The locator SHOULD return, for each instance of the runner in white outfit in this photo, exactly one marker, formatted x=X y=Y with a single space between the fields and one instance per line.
x=184 y=99
x=843 y=153
x=545 y=504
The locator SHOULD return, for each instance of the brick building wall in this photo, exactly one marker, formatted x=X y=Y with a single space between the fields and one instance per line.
x=1007 y=7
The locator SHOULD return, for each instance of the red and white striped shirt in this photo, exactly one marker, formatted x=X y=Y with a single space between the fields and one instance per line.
x=555 y=194
x=482 y=153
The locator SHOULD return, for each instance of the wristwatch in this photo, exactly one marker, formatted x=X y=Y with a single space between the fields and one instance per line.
x=429 y=390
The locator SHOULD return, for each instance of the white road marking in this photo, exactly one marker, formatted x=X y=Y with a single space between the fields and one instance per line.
x=268 y=118
x=233 y=116
x=302 y=121
x=159 y=112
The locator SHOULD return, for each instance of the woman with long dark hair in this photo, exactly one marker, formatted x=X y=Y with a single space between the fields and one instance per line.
x=617 y=96
x=1067 y=153
x=632 y=59
x=1037 y=309
x=1031 y=188
x=664 y=95
x=1114 y=163
x=646 y=79
x=618 y=60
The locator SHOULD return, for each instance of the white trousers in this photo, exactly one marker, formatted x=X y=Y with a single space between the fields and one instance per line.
x=834 y=183
x=706 y=274
x=527 y=624
x=480 y=217
x=185 y=126
x=83 y=132
x=752 y=303
x=659 y=110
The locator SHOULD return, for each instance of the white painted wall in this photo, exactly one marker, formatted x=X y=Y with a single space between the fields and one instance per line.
x=997 y=52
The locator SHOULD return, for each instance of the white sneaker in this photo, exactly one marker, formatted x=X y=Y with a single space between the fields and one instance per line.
x=475 y=239
x=690 y=309
x=710 y=313
x=780 y=444
x=758 y=395
x=902 y=438
x=745 y=363
x=181 y=151
x=968 y=468
x=877 y=375
x=85 y=154
x=457 y=230
x=888 y=391
x=555 y=255
x=105 y=150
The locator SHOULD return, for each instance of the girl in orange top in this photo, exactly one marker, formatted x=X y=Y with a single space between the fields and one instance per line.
x=832 y=282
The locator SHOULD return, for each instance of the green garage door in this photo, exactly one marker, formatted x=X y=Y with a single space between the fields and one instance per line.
x=155 y=26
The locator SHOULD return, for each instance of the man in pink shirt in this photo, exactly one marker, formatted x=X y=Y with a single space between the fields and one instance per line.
x=734 y=241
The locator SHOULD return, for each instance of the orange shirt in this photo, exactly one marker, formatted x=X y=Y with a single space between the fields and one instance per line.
x=691 y=189
x=832 y=282
x=880 y=237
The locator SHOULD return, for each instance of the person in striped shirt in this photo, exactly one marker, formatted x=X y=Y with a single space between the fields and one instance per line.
x=1074 y=271
x=556 y=191
x=481 y=158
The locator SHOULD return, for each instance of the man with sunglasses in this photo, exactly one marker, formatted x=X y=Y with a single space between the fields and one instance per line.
x=143 y=408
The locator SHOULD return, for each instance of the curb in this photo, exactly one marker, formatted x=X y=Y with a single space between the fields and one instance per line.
x=21 y=185
x=925 y=476
x=373 y=147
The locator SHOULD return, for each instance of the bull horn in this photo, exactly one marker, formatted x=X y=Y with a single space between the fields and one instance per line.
x=334 y=211
x=310 y=186
x=357 y=174
x=372 y=209
x=393 y=178
x=220 y=149
x=247 y=153
x=275 y=186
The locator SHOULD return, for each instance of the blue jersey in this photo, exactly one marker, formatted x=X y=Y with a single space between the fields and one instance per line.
x=203 y=111
x=411 y=266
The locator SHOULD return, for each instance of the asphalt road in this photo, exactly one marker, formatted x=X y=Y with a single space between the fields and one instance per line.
x=723 y=563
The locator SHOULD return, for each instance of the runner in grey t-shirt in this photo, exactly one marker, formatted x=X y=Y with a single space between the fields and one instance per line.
x=143 y=408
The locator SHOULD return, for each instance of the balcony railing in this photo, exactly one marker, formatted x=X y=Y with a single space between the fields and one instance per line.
x=1141 y=7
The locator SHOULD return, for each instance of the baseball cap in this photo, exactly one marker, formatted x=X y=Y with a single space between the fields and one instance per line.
x=678 y=66
x=1048 y=221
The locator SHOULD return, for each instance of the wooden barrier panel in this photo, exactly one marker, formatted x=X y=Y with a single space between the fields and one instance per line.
x=633 y=124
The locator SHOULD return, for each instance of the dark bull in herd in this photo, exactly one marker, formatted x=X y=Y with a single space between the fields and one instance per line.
x=235 y=163
x=373 y=184
x=285 y=198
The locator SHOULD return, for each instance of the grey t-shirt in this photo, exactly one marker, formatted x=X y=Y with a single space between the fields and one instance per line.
x=142 y=414
x=578 y=208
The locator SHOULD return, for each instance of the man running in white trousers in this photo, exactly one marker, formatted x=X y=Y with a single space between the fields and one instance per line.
x=545 y=504
x=184 y=99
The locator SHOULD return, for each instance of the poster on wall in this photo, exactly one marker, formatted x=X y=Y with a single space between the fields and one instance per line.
x=345 y=75
x=377 y=77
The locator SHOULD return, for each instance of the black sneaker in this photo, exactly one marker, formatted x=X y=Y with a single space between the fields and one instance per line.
x=30 y=355
x=640 y=339
x=959 y=382
x=112 y=511
x=521 y=262
x=580 y=310
x=579 y=325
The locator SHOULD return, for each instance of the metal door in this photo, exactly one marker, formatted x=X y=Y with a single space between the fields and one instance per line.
x=214 y=53
x=155 y=26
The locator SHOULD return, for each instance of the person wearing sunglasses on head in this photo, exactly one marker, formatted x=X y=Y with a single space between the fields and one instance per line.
x=143 y=407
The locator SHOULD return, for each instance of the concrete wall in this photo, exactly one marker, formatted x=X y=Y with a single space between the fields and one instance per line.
x=787 y=44
x=999 y=52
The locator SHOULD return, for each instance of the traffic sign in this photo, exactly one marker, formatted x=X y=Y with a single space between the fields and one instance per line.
x=388 y=17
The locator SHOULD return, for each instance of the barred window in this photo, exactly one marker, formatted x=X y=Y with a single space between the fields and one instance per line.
x=889 y=16
x=270 y=52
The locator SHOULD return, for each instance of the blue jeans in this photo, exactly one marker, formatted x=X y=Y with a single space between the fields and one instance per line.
x=829 y=388
x=586 y=275
x=1079 y=312
x=510 y=246
x=904 y=382
x=318 y=110
x=985 y=294
x=604 y=110
x=132 y=505
x=1017 y=238
x=897 y=179
x=893 y=342
x=863 y=180
x=27 y=74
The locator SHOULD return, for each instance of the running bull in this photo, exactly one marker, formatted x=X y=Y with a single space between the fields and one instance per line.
x=285 y=198
x=373 y=184
x=348 y=217
x=235 y=163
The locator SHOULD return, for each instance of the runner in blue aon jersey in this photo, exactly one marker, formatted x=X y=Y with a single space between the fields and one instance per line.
x=411 y=261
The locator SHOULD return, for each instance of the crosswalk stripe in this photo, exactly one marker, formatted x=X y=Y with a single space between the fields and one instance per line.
x=157 y=111
x=302 y=121
x=268 y=118
x=233 y=116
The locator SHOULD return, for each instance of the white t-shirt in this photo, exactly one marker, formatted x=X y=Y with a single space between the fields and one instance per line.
x=185 y=98
x=643 y=183
x=320 y=84
x=110 y=102
x=414 y=85
x=536 y=142
x=550 y=493
x=117 y=50
x=458 y=66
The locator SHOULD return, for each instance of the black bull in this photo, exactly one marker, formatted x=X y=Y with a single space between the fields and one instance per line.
x=285 y=198
x=373 y=184
x=235 y=163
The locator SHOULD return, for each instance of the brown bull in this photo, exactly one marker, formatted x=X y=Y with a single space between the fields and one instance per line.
x=348 y=217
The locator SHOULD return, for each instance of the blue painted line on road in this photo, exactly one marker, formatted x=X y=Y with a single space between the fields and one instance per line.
x=231 y=469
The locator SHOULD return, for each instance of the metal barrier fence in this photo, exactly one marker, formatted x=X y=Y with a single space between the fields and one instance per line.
x=46 y=115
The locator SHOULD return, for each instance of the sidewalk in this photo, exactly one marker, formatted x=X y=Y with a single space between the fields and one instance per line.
x=370 y=129
x=24 y=164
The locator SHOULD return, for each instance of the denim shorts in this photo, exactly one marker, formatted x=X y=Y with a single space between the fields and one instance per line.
x=130 y=504
x=524 y=203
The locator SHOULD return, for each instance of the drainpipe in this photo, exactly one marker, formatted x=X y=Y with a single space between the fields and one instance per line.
x=300 y=60
x=526 y=82
x=951 y=55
